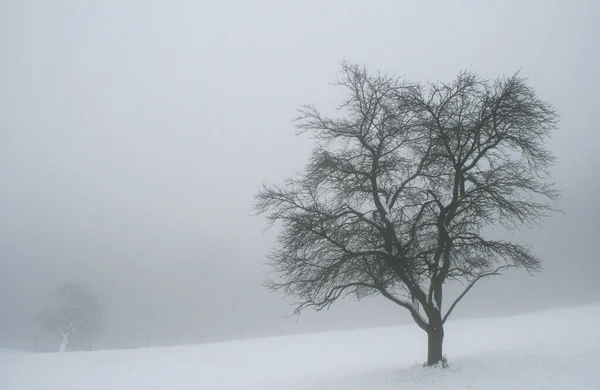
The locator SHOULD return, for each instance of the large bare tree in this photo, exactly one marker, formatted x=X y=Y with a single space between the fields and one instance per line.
x=403 y=188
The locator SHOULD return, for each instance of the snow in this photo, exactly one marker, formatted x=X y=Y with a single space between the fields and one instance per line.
x=415 y=304
x=549 y=350
x=386 y=207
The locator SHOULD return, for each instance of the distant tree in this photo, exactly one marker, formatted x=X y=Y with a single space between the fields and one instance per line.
x=403 y=189
x=74 y=310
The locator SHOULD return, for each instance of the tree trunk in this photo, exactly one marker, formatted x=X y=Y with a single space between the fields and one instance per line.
x=435 y=340
x=65 y=342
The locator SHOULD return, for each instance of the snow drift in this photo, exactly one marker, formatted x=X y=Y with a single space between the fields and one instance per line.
x=550 y=350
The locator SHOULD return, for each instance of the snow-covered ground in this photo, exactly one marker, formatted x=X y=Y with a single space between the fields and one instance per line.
x=550 y=350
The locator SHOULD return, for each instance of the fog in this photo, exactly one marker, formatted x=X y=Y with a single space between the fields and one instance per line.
x=134 y=134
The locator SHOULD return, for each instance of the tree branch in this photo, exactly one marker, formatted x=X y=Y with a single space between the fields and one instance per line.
x=497 y=271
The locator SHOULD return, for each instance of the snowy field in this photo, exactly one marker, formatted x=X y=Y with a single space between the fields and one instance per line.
x=551 y=350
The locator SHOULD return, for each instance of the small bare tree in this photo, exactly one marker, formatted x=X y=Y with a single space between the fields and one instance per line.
x=402 y=188
x=75 y=311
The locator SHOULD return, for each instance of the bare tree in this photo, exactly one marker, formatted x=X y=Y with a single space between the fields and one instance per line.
x=75 y=311
x=402 y=187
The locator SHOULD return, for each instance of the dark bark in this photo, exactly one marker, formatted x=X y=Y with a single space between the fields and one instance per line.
x=398 y=193
x=435 y=340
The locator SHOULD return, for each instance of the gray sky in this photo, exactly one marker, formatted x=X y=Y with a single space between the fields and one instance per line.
x=133 y=135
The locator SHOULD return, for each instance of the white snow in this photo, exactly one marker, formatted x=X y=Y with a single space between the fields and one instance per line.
x=415 y=304
x=386 y=207
x=549 y=350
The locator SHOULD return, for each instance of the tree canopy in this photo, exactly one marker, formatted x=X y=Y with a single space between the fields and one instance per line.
x=74 y=310
x=403 y=188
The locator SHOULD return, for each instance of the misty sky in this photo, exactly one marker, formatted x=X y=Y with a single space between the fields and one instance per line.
x=134 y=134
